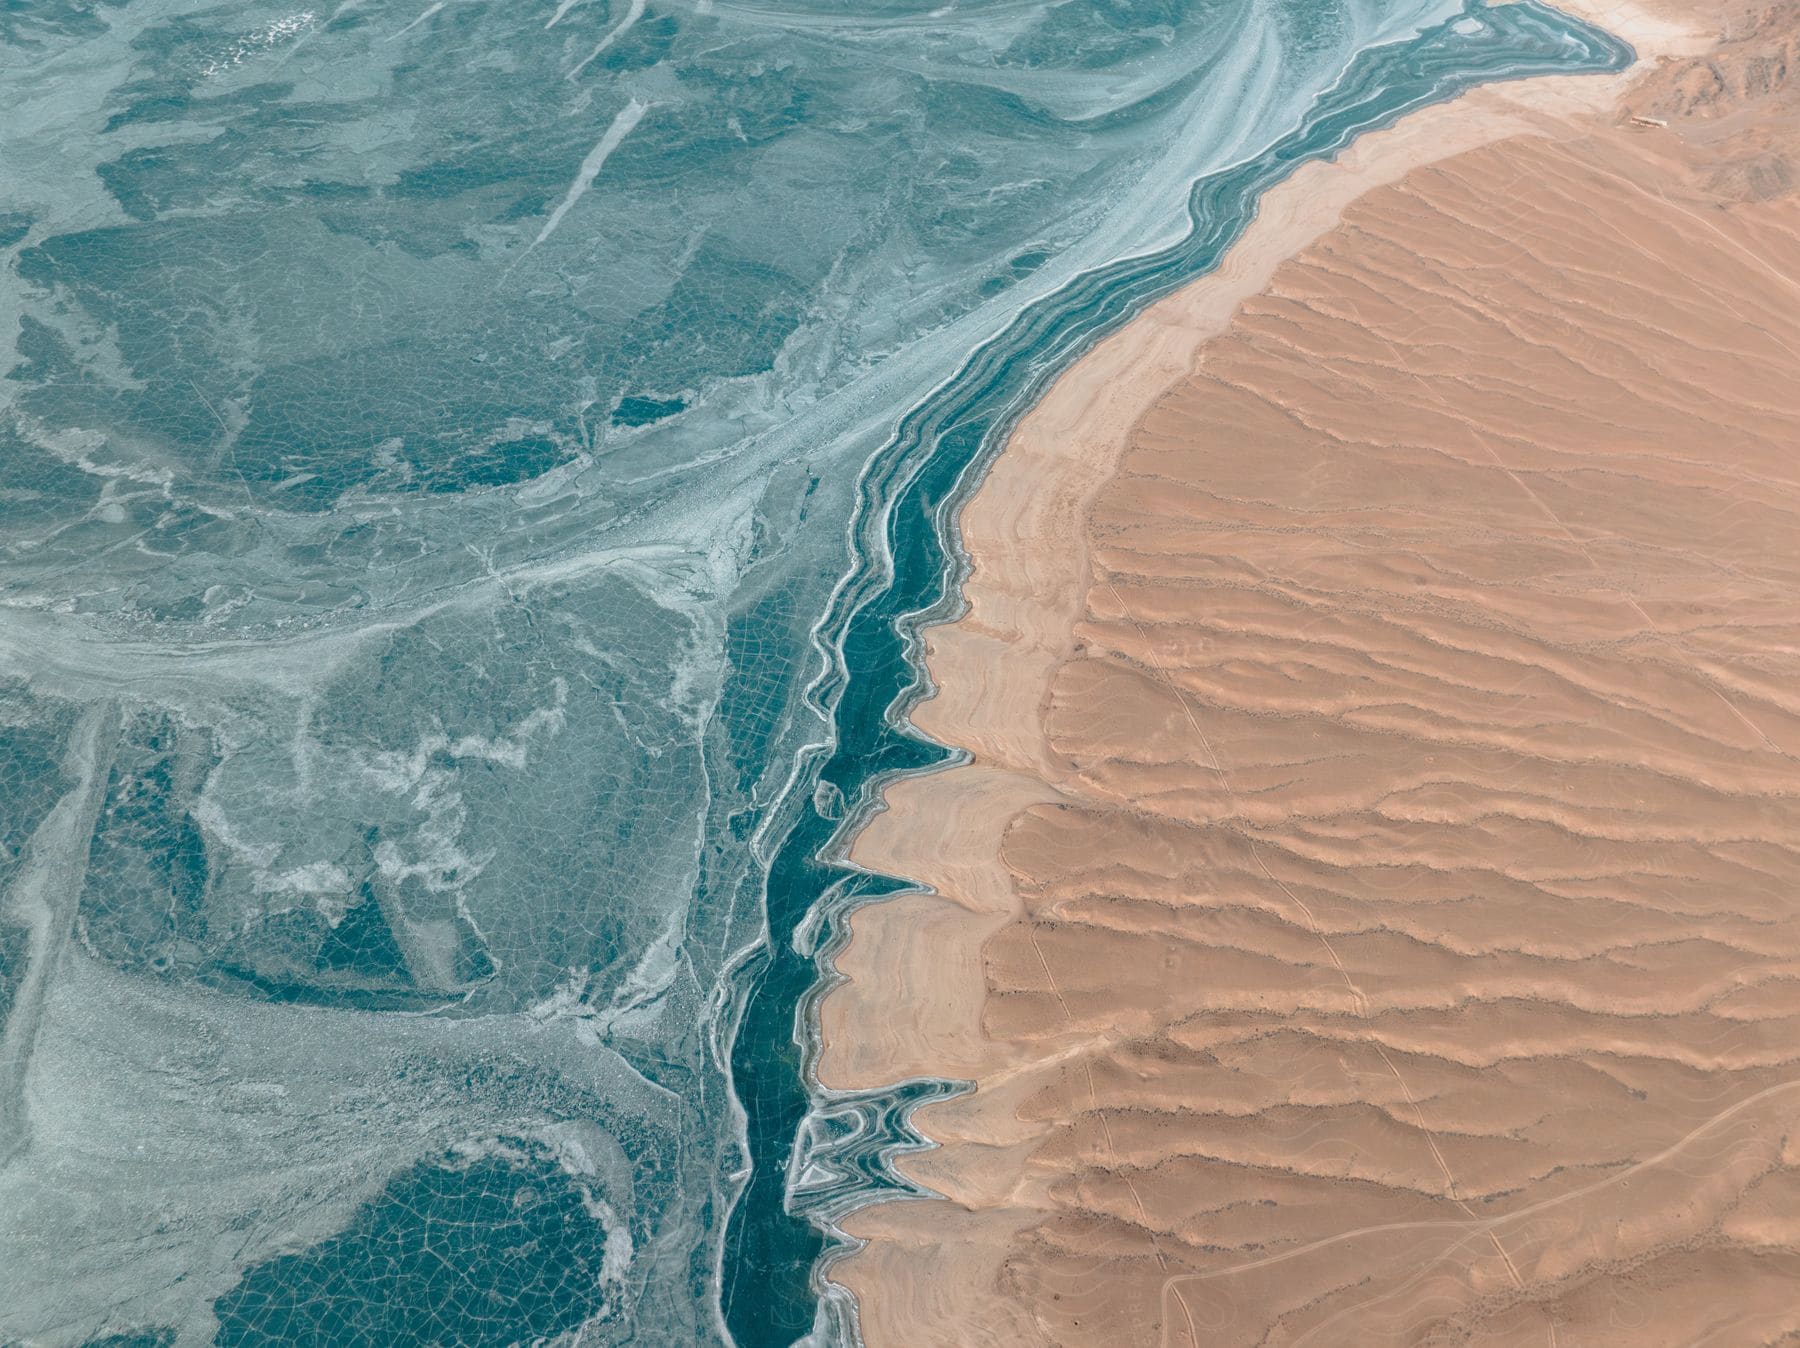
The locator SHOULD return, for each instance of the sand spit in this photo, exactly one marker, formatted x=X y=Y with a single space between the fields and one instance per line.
x=1372 y=914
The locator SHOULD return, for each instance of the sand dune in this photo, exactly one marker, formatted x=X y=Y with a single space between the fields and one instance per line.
x=1373 y=912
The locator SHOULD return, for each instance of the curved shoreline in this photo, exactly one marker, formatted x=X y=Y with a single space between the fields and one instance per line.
x=903 y=583
x=910 y=989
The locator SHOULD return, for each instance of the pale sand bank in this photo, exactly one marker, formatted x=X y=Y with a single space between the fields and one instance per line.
x=1370 y=915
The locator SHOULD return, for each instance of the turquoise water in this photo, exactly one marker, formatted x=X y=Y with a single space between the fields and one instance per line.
x=472 y=475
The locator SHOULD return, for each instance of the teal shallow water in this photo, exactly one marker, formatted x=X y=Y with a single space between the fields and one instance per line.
x=473 y=477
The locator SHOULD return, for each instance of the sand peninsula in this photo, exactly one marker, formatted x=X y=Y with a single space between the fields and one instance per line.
x=1372 y=911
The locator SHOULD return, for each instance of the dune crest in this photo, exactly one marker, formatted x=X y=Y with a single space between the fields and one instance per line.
x=1371 y=912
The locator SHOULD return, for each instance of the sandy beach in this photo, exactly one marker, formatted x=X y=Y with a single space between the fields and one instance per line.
x=1369 y=915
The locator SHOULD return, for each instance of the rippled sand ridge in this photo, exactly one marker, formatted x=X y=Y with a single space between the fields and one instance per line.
x=1370 y=915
